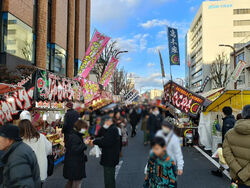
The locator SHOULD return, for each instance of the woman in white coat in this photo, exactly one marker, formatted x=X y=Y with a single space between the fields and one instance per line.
x=39 y=143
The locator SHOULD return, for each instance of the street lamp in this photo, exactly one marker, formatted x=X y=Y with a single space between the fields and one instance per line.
x=121 y=52
x=234 y=54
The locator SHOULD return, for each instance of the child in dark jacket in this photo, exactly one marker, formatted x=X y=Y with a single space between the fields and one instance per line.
x=161 y=169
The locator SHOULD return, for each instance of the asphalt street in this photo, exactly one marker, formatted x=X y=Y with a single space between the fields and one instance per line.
x=130 y=172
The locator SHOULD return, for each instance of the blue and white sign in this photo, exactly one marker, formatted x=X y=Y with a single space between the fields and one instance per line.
x=173 y=46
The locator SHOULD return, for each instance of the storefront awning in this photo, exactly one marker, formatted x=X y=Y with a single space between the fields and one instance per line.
x=212 y=95
x=236 y=99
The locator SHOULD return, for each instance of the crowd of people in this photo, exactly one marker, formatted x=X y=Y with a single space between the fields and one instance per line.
x=24 y=151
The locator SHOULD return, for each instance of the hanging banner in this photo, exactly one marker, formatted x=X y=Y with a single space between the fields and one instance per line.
x=90 y=90
x=238 y=70
x=21 y=100
x=93 y=52
x=51 y=87
x=109 y=72
x=173 y=46
x=162 y=65
x=182 y=99
x=204 y=84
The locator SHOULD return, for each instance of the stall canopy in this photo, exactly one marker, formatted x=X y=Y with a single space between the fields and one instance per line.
x=212 y=95
x=236 y=99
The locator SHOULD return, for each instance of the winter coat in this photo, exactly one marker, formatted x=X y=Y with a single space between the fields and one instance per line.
x=133 y=118
x=109 y=142
x=228 y=123
x=20 y=167
x=69 y=120
x=1 y=167
x=144 y=124
x=42 y=148
x=154 y=122
x=173 y=148
x=74 y=162
x=161 y=172
x=236 y=150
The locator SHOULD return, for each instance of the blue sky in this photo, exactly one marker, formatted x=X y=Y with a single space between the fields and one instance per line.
x=139 y=26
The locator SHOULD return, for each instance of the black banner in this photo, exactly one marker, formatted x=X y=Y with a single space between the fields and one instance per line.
x=182 y=99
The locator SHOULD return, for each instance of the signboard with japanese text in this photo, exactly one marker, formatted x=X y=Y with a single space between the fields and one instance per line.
x=92 y=54
x=90 y=90
x=51 y=87
x=204 y=84
x=173 y=46
x=238 y=70
x=22 y=100
x=109 y=72
x=182 y=99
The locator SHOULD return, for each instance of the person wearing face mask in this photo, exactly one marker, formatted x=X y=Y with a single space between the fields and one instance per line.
x=109 y=142
x=75 y=159
x=154 y=122
x=173 y=145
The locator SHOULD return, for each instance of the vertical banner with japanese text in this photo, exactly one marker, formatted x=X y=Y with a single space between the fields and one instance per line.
x=109 y=72
x=173 y=46
x=238 y=70
x=92 y=54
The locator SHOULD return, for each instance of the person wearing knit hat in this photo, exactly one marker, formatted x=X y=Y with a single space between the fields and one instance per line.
x=173 y=144
x=17 y=155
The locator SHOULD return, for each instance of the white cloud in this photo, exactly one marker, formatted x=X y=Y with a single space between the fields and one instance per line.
x=154 y=23
x=154 y=80
x=193 y=9
x=157 y=48
x=150 y=64
x=113 y=10
x=133 y=44
x=128 y=59
x=162 y=34
x=162 y=1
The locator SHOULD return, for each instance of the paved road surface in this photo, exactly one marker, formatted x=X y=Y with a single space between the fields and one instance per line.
x=196 y=172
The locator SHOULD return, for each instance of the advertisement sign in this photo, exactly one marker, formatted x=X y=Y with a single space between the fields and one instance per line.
x=109 y=72
x=182 y=99
x=173 y=46
x=21 y=100
x=51 y=87
x=92 y=54
x=90 y=90
x=238 y=70
x=204 y=84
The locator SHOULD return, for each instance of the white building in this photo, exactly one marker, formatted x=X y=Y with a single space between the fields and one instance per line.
x=216 y=22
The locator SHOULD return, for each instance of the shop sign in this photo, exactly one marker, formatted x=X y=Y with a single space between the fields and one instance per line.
x=51 y=87
x=182 y=99
x=238 y=70
x=22 y=100
x=109 y=72
x=92 y=54
x=90 y=89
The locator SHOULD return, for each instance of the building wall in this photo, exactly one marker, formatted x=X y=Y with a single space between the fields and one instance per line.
x=23 y=9
x=213 y=24
x=69 y=29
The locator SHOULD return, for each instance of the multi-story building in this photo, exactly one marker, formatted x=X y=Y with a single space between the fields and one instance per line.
x=50 y=34
x=216 y=22
x=242 y=53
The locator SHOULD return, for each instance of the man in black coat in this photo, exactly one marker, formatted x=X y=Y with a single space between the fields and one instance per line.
x=109 y=142
x=154 y=122
x=228 y=121
x=69 y=120
x=20 y=164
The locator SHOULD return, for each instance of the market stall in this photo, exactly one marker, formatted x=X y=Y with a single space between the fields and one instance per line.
x=211 y=118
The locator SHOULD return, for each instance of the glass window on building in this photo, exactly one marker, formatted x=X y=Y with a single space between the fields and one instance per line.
x=241 y=11
x=77 y=65
x=197 y=84
x=241 y=22
x=242 y=34
x=18 y=37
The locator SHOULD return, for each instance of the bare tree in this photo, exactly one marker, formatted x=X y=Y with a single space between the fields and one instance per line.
x=27 y=50
x=111 y=50
x=128 y=85
x=118 y=81
x=220 y=71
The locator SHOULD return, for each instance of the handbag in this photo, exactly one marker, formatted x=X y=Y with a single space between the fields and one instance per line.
x=51 y=164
